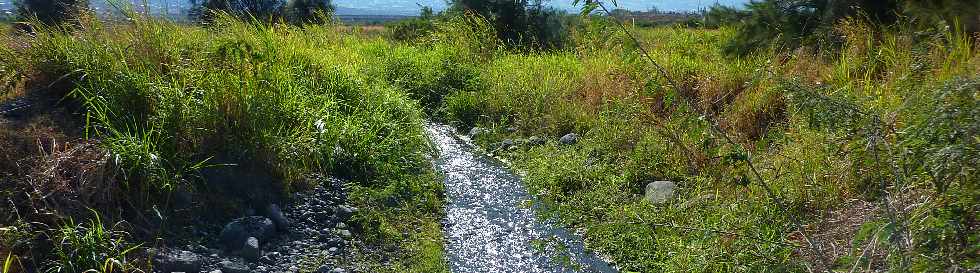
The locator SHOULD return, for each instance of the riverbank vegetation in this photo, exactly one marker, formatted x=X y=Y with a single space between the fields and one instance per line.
x=851 y=146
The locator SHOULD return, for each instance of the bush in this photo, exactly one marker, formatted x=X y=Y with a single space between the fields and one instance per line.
x=50 y=11
x=298 y=12
x=718 y=16
x=303 y=12
x=793 y=23
x=521 y=23
x=414 y=29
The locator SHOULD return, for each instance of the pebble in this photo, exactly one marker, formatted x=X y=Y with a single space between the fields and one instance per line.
x=251 y=249
x=345 y=233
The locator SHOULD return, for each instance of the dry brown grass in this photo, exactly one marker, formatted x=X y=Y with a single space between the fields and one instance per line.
x=835 y=235
x=600 y=87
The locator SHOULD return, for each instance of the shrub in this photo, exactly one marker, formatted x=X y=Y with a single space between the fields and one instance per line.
x=718 y=16
x=414 y=29
x=50 y=11
x=526 y=23
x=792 y=23
x=302 y=12
x=299 y=12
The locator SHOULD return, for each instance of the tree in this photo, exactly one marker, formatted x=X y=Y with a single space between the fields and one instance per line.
x=50 y=11
x=309 y=11
x=518 y=22
x=719 y=15
x=792 y=23
x=295 y=11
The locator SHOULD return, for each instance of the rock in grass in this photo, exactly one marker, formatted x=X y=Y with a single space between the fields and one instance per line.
x=235 y=233
x=275 y=214
x=344 y=212
x=535 y=141
x=232 y=267
x=476 y=131
x=177 y=261
x=507 y=144
x=251 y=249
x=569 y=139
x=345 y=233
x=659 y=192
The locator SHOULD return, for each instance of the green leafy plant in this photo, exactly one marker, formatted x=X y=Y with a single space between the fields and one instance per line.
x=90 y=246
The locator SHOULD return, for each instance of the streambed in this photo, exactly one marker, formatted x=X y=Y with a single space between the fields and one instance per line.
x=491 y=222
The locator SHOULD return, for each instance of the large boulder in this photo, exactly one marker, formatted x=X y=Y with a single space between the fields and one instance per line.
x=569 y=139
x=235 y=233
x=660 y=192
x=176 y=261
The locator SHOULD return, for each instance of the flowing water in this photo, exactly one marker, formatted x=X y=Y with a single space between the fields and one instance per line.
x=491 y=224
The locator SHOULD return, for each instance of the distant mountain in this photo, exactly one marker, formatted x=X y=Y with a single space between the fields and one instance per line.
x=411 y=7
x=341 y=10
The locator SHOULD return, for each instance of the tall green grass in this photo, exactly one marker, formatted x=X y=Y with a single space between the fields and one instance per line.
x=168 y=101
x=90 y=246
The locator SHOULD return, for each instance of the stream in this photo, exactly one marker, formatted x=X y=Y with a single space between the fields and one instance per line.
x=491 y=223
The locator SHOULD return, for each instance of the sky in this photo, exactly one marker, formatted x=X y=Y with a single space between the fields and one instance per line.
x=412 y=6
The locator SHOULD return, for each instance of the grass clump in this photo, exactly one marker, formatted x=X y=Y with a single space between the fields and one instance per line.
x=90 y=246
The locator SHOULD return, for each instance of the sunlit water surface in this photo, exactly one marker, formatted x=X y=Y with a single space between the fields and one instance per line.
x=490 y=226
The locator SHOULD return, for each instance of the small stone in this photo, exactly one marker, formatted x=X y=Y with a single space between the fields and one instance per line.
x=535 y=141
x=325 y=269
x=345 y=233
x=274 y=213
x=569 y=139
x=660 y=192
x=177 y=261
x=507 y=144
x=251 y=249
x=237 y=231
x=344 y=212
x=232 y=267
x=511 y=129
x=332 y=250
x=341 y=225
x=476 y=131
x=293 y=269
x=339 y=270
x=334 y=241
x=215 y=271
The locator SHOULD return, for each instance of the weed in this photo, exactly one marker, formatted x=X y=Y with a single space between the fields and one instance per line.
x=90 y=246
